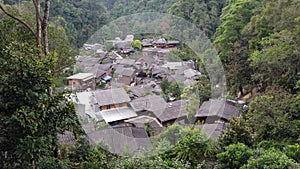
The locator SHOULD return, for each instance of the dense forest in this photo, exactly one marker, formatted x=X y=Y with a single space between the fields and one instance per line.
x=258 y=42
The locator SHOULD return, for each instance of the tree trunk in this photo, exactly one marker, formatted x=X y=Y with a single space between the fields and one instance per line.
x=44 y=27
x=38 y=33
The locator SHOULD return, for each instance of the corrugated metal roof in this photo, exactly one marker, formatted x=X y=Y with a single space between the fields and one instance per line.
x=117 y=114
x=82 y=76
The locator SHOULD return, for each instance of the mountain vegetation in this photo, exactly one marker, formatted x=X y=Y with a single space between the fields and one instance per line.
x=258 y=42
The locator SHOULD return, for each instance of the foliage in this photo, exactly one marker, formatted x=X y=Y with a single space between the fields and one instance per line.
x=194 y=147
x=234 y=18
x=234 y=156
x=171 y=90
x=192 y=103
x=205 y=14
x=238 y=131
x=293 y=152
x=52 y=163
x=60 y=48
x=272 y=117
x=85 y=155
x=203 y=87
x=183 y=144
x=31 y=118
x=81 y=19
x=137 y=44
x=270 y=159
x=149 y=163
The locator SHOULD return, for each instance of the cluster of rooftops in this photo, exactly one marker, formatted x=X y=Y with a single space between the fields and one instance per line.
x=130 y=102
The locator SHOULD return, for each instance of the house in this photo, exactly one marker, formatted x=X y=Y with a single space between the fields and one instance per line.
x=174 y=112
x=126 y=62
x=140 y=90
x=117 y=115
x=150 y=105
x=87 y=103
x=87 y=63
x=163 y=43
x=145 y=62
x=124 y=46
x=191 y=74
x=113 y=105
x=111 y=98
x=174 y=65
x=160 y=72
x=147 y=43
x=119 y=139
x=152 y=125
x=101 y=71
x=216 y=110
x=160 y=43
x=124 y=75
x=172 y=43
x=81 y=81
x=140 y=121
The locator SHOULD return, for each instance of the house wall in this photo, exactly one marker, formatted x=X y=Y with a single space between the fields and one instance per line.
x=210 y=120
x=74 y=82
x=168 y=123
x=113 y=106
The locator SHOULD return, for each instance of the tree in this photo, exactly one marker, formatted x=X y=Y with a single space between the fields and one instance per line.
x=31 y=116
x=194 y=147
x=271 y=158
x=60 y=48
x=192 y=103
x=137 y=44
x=41 y=23
x=234 y=156
x=238 y=131
x=171 y=89
x=272 y=117
x=203 y=87
x=234 y=18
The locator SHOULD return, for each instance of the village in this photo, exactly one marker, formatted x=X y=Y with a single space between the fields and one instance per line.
x=119 y=101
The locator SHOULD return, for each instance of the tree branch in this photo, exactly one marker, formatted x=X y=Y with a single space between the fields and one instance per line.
x=19 y=20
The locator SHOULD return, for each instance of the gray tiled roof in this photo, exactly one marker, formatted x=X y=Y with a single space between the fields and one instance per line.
x=121 y=138
x=173 y=111
x=120 y=70
x=126 y=61
x=153 y=103
x=141 y=120
x=189 y=73
x=140 y=90
x=212 y=130
x=217 y=108
x=111 y=96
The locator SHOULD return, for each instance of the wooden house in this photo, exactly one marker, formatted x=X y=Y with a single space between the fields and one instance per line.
x=81 y=81
x=113 y=105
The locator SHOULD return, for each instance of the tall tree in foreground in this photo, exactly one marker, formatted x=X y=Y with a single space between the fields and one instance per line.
x=30 y=116
x=41 y=23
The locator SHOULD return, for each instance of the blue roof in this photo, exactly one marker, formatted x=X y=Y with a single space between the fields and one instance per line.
x=107 y=78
